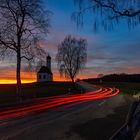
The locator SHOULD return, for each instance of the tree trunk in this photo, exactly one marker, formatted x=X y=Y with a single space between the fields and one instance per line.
x=18 y=92
x=72 y=79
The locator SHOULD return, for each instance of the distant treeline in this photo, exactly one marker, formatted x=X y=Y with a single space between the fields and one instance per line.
x=117 y=78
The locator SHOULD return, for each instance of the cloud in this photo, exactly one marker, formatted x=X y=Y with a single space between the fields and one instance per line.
x=112 y=52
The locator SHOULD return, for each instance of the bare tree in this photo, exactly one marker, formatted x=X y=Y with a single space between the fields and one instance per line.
x=71 y=56
x=108 y=13
x=21 y=24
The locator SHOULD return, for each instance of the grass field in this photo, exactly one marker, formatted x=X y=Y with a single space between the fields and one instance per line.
x=35 y=90
x=126 y=88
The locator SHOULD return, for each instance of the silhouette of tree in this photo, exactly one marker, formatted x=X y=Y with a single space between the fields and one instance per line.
x=21 y=23
x=71 y=56
x=108 y=13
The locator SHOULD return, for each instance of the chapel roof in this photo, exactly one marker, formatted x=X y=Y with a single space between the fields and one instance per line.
x=44 y=69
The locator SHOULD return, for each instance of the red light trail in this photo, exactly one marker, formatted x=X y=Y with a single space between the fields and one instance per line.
x=56 y=101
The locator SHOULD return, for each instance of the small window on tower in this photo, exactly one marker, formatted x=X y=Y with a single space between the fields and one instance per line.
x=44 y=76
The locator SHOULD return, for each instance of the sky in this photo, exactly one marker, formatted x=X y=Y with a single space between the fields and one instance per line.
x=115 y=51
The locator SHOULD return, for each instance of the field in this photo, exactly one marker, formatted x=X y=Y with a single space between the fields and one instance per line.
x=35 y=90
x=126 y=88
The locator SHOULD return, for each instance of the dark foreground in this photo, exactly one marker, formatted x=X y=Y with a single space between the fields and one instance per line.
x=35 y=90
x=130 y=88
x=96 y=120
x=109 y=123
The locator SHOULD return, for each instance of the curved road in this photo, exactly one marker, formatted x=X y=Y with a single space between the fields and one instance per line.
x=42 y=104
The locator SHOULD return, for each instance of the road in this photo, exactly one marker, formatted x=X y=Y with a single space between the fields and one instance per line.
x=26 y=121
x=37 y=105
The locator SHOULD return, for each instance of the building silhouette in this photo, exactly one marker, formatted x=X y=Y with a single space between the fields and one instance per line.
x=45 y=73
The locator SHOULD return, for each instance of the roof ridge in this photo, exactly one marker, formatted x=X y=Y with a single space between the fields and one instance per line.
x=45 y=69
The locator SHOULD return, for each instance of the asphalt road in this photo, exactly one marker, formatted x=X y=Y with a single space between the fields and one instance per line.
x=74 y=121
x=37 y=105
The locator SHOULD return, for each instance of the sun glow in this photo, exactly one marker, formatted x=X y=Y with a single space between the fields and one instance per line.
x=13 y=81
x=9 y=77
x=7 y=81
x=27 y=80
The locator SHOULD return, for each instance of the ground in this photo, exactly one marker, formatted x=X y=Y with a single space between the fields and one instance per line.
x=96 y=120
x=125 y=87
x=35 y=90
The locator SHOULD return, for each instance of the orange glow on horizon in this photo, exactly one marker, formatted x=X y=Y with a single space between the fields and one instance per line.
x=8 y=77
x=27 y=78
x=7 y=81
x=13 y=81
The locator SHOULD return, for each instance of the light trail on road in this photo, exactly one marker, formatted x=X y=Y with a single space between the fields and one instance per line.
x=53 y=102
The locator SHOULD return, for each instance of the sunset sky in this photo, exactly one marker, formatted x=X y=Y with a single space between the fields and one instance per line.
x=116 y=51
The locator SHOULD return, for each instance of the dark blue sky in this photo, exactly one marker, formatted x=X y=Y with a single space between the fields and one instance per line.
x=117 y=51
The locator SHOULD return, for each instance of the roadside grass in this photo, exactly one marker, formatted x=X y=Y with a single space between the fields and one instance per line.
x=125 y=88
x=35 y=90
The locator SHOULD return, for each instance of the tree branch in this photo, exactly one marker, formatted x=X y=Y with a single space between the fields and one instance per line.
x=29 y=59
x=8 y=45
x=112 y=7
